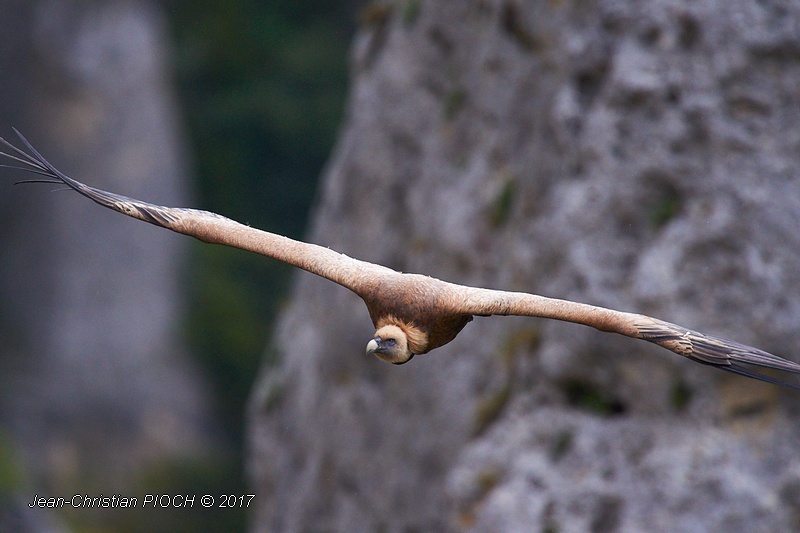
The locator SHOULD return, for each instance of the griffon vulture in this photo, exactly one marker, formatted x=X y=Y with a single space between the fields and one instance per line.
x=412 y=313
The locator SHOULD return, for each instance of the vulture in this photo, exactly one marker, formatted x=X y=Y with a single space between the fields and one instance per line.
x=412 y=313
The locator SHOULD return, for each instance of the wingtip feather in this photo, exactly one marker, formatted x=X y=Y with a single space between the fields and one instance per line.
x=717 y=352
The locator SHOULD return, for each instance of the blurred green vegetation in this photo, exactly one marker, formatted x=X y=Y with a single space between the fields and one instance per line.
x=262 y=88
x=262 y=85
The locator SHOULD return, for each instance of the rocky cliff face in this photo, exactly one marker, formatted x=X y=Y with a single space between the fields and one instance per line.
x=641 y=156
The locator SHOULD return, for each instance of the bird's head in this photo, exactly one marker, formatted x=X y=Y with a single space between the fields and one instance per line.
x=390 y=344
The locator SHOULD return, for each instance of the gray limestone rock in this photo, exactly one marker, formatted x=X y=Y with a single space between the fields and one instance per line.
x=643 y=156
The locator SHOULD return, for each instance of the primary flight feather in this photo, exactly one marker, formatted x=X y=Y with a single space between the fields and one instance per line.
x=412 y=313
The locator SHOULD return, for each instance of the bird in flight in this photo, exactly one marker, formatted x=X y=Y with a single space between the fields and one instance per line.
x=412 y=313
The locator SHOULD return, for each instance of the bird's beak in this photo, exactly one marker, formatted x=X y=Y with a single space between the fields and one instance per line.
x=376 y=347
x=373 y=346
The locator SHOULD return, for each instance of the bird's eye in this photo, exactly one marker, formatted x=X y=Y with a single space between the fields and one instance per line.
x=390 y=342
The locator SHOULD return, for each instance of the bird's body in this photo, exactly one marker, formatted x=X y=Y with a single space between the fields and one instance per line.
x=412 y=313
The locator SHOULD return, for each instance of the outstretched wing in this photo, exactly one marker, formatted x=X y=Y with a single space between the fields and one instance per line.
x=709 y=350
x=206 y=226
x=704 y=349
x=456 y=300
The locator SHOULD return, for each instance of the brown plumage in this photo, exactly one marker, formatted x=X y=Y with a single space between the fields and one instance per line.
x=412 y=313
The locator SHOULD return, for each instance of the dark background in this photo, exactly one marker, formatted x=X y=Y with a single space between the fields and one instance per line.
x=261 y=89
